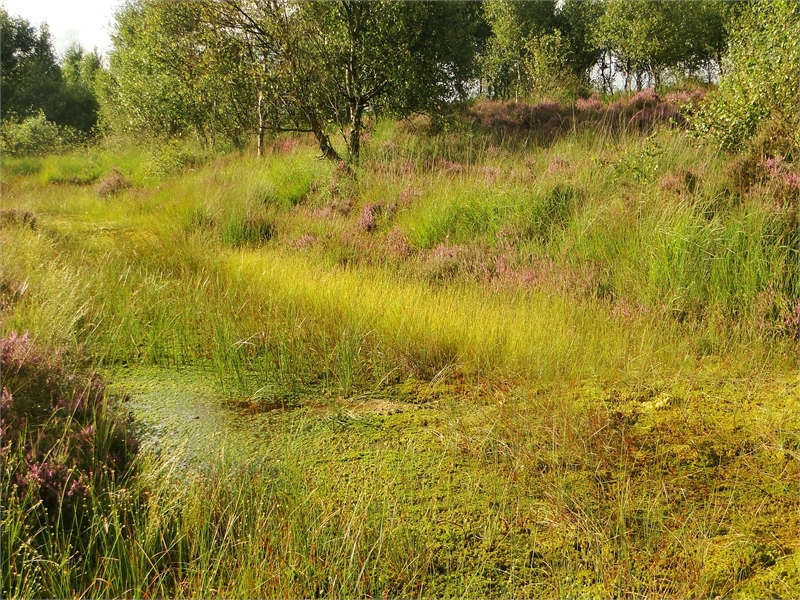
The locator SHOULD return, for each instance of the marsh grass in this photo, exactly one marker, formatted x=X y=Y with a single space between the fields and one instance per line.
x=649 y=490
x=585 y=341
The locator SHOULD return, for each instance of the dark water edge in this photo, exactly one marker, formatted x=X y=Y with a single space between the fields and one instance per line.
x=186 y=412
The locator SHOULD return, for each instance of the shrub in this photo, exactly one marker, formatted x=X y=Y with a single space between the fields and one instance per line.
x=174 y=156
x=369 y=215
x=113 y=183
x=58 y=430
x=15 y=217
x=547 y=120
x=762 y=81
x=35 y=136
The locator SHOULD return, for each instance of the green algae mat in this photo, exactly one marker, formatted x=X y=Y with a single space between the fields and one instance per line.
x=666 y=488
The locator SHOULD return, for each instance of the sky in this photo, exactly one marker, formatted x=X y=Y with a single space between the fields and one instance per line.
x=84 y=21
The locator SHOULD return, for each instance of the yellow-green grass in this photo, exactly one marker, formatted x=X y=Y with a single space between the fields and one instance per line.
x=634 y=280
x=682 y=487
x=570 y=376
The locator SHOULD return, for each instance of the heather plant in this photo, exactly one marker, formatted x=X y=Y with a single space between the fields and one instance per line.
x=544 y=122
x=113 y=183
x=13 y=217
x=58 y=430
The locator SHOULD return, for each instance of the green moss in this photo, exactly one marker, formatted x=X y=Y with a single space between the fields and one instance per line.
x=665 y=489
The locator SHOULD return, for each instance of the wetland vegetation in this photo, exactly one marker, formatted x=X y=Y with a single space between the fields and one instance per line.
x=515 y=348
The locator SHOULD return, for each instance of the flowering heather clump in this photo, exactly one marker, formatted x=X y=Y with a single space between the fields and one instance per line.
x=368 y=220
x=782 y=181
x=51 y=413
x=557 y=165
x=306 y=241
x=286 y=145
x=547 y=120
x=443 y=164
x=769 y=175
x=336 y=207
x=645 y=98
x=683 y=98
x=645 y=109
x=591 y=103
x=396 y=245
x=543 y=118
x=408 y=195
x=113 y=183
x=452 y=262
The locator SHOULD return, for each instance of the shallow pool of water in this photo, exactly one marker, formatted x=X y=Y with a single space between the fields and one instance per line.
x=185 y=411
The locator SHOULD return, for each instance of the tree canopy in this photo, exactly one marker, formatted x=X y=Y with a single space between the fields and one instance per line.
x=240 y=69
x=34 y=80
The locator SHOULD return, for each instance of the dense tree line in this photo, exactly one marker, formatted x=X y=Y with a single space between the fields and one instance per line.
x=34 y=80
x=240 y=69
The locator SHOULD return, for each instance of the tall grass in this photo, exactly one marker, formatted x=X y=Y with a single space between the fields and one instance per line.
x=590 y=272
x=545 y=322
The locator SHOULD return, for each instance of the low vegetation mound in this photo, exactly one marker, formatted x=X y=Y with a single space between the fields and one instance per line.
x=546 y=120
x=60 y=436
x=113 y=183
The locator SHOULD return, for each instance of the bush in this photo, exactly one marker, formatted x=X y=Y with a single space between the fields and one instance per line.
x=642 y=113
x=113 y=183
x=174 y=156
x=15 y=217
x=36 y=136
x=58 y=431
x=762 y=82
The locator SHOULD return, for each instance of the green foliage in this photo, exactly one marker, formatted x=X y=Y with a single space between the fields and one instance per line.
x=145 y=87
x=251 y=229
x=35 y=136
x=651 y=42
x=31 y=77
x=547 y=66
x=79 y=70
x=328 y=63
x=541 y=219
x=33 y=82
x=174 y=156
x=540 y=49
x=514 y=25
x=761 y=81
x=236 y=68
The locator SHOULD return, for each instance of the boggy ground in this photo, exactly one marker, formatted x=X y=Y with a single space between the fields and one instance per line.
x=493 y=363
x=662 y=489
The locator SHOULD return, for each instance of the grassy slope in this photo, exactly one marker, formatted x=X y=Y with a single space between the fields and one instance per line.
x=531 y=371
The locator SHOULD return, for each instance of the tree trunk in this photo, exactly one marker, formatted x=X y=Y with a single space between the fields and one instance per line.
x=627 y=76
x=356 y=124
x=322 y=139
x=260 y=125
